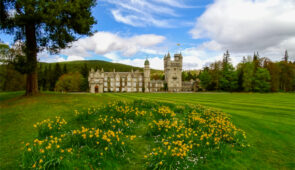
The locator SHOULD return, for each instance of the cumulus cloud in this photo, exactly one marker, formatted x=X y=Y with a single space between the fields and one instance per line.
x=155 y=62
x=106 y=43
x=112 y=46
x=247 y=25
x=140 y=13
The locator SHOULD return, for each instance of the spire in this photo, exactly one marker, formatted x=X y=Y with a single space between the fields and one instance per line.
x=102 y=70
x=286 y=57
x=168 y=55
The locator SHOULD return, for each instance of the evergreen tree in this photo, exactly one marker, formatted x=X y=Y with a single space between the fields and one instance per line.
x=40 y=76
x=248 y=72
x=229 y=79
x=84 y=72
x=65 y=70
x=205 y=79
x=216 y=73
x=45 y=24
x=286 y=57
x=261 y=80
x=57 y=72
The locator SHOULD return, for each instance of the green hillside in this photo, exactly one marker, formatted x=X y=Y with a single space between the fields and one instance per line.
x=73 y=66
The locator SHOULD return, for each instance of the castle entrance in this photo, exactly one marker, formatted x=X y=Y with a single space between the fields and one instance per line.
x=96 y=89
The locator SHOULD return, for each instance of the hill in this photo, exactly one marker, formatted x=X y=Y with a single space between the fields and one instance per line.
x=73 y=66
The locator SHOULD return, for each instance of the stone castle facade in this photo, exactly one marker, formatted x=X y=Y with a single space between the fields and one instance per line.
x=136 y=81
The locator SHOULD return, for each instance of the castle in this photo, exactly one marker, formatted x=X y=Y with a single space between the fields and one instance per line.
x=135 y=81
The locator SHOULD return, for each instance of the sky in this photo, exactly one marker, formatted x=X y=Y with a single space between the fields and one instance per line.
x=129 y=31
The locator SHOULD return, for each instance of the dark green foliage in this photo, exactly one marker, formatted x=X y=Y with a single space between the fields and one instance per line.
x=261 y=80
x=189 y=75
x=229 y=79
x=252 y=74
x=65 y=70
x=205 y=79
x=44 y=24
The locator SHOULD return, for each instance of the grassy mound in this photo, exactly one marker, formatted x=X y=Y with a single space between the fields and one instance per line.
x=140 y=134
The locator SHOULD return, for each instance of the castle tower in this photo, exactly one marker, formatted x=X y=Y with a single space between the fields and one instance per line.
x=173 y=72
x=146 y=75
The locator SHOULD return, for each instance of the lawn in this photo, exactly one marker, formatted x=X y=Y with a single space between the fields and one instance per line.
x=267 y=119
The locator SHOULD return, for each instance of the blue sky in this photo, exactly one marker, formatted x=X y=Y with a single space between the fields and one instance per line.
x=128 y=31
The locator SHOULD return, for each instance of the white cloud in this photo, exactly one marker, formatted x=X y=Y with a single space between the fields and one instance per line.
x=140 y=13
x=74 y=57
x=243 y=26
x=106 y=43
x=155 y=62
x=197 y=58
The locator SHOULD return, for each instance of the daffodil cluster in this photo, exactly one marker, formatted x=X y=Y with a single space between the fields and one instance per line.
x=185 y=141
x=179 y=137
x=46 y=127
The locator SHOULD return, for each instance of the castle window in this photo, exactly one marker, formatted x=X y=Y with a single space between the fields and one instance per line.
x=134 y=84
x=105 y=79
x=140 y=84
x=117 y=83
x=105 y=84
x=117 y=89
x=123 y=83
x=129 y=84
x=105 y=89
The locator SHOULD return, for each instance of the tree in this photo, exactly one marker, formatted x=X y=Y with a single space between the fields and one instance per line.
x=215 y=72
x=248 y=72
x=44 y=24
x=65 y=70
x=57 y=72
x=261 y=80
x=84 y=72
x=69 y=82
x=10 y=78
x=229 y=79
x=274 y=70
x=205 y=79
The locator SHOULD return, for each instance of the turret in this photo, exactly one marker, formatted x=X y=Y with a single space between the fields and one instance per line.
x=146 y=75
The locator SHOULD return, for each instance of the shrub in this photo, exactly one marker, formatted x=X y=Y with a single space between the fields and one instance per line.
x=70 y=82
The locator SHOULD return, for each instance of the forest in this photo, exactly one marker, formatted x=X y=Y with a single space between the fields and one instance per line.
x=252 y=74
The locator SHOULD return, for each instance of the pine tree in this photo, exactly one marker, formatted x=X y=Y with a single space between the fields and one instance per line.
x=286 y=57
x=45 y=24
x=65 y=70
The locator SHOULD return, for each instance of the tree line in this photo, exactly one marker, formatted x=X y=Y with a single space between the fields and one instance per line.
x=58 y=78
x=253 y=74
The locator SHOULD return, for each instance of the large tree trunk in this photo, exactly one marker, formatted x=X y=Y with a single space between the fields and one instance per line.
x=31 y=54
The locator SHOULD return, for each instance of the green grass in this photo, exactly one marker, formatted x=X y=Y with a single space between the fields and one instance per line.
x=268 y=119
